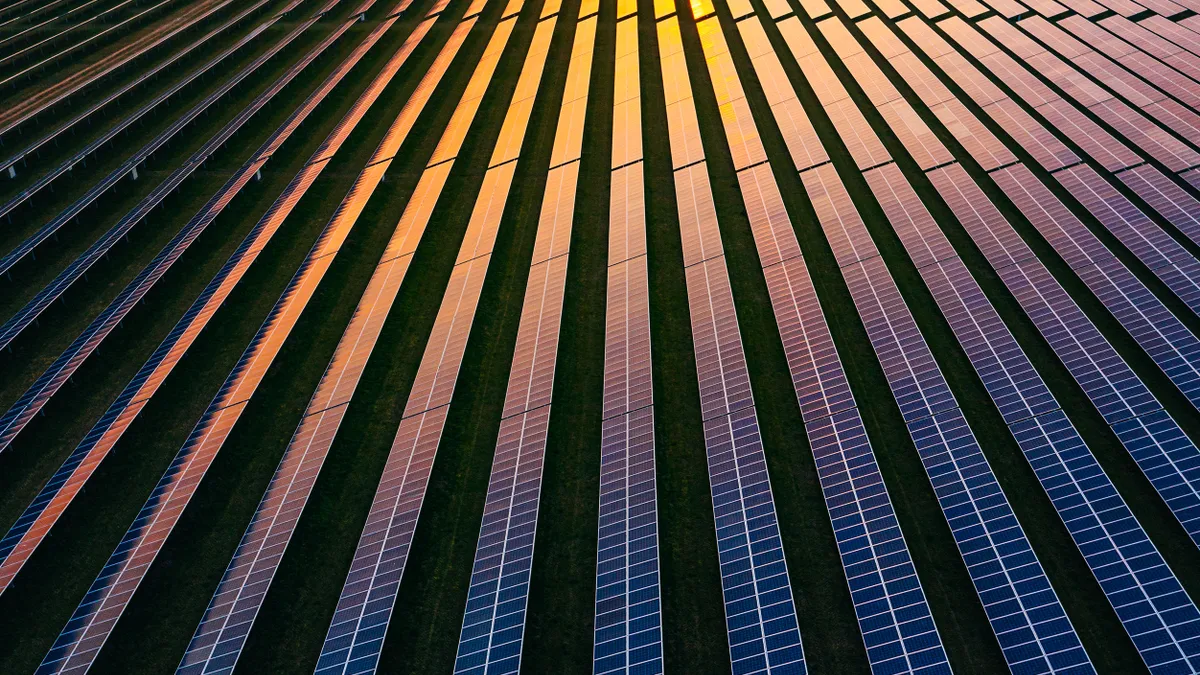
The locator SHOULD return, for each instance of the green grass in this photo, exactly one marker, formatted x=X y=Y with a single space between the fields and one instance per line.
x=562 y=587
x=692 y=611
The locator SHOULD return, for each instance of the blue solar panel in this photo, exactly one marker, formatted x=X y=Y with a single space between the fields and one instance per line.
x=897 y=627
x=760 y=613
x=1169 y=459
x=893 y=615
x=1161 y=619
x=1162 y=335
x=1165 y=257
x=1023 y=609
x=989 y=344
x=628 y=625
x=1030 y=623
x=628 y=630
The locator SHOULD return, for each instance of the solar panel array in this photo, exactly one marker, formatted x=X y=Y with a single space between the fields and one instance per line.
x=1114 y=545
x=355 y=636
x=760 y=613
x=111 y=592
x=31 y=30
x=1165 y=257
x=1061 y=137
x=15 y=419
x=628 y=623
x=59 y=92
x=969 y=493
x=90 y=149
x=893 y=614
x=37 y=520
x=86 y=113
x=13 y=327
x=493 y=626
x=1161 y=449
x=223 y=630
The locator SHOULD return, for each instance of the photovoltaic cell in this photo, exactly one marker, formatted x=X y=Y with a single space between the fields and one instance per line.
x=897 y=627
x=78 y=268
x=1155 y=248
x=494 y=620
x=30 y=107
x=760 y=612
x=1054 y=447
x=988 y=535
x=38 y=519
x=628 y=624
x=113 y=131
x=227 y=622
x=48 y=384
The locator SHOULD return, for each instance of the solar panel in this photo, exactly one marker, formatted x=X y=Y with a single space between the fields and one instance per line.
x=926 y=401
x=1153 y=45
x=1124 y=95
x=30 y=150
x=1154 y=608
x=88 y=629
x=815 y=9
x=966 y=487
x=1153 y=140
x=1170 y=30
x=797 y=130
x=628 y=628
x=627 y=106
x=1164 y=196
x=1064 y=117
x=897 y=627
x=1010 y=379
x=102 y=186
x=1155 y=248
x=816 y=370
x=921 y=236
x=1114 y=389
x=992 y=234
x=220 y=637
x=15 y=419
x=40 y=45
x=697 y=215
x=892 y=9
x=58 y=92
x=80 y=465
x=760 y=613
x=839 y=219
x=628 y=623
x=494 y=621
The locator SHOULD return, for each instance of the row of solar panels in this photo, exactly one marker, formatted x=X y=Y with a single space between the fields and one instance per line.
x=699 y=223
x=958 y=295
x=85 y=79
x=14 y=41
x=91 y=148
